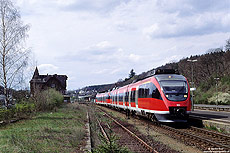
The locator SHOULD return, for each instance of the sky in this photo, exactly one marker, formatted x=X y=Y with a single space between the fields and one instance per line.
x=99 y=41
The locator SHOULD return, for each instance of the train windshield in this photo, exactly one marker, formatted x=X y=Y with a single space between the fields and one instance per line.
x=175 y=87
x=175 y=90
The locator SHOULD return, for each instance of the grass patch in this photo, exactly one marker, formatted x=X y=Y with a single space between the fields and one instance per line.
x=60 y=131
x=214 y=129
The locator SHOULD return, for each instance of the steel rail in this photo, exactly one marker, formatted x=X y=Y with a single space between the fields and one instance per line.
x=149 y=148
x=211 y=132
x=191 y=136
x=216 y=136
x=103 y=131
x=212 y=143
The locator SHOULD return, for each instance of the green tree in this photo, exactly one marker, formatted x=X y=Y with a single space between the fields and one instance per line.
x=132 y=73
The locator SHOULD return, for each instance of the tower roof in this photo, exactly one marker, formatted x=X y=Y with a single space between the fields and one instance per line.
x=36 y=73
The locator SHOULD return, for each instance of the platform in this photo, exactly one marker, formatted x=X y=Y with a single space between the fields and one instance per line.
x=217 y=119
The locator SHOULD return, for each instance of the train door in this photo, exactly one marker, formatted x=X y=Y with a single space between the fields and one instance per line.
x=129 y=98
x=126 y=98
x=136 y=97
x=117 y=98
x=123 y=98
x=133 y=97
x=111 y=97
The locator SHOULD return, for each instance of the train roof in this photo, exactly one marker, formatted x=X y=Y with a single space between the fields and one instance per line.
x=173 y=77
x=159 y=74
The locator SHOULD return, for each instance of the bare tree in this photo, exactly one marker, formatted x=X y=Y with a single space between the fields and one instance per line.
x=227 y=45
x=13 y=54
x=214 y=50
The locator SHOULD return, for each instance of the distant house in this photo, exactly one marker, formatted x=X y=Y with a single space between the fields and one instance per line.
x=43 y=82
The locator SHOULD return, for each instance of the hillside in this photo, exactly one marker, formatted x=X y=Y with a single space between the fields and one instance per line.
x=208 y=67
x=214 y=64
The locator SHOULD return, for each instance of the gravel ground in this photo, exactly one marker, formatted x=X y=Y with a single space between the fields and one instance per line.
x=158 y=139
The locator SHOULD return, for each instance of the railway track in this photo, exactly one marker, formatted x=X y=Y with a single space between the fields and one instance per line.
x=222 y=139
x=126 y=137
x=205 y=140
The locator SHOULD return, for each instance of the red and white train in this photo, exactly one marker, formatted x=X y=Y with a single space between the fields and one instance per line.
x=165 y=96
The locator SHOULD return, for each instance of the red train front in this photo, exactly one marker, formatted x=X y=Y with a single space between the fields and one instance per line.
x=163 y=96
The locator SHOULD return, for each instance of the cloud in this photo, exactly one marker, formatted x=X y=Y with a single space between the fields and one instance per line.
x=101 y=71
x=102 y=53
x=103 y=44
x=94 y=6
x=149 y=31
x=191 y=7
x=134 y=57
x=47 y=68
x=100 y=41
x=98 y=6
x=199 y=24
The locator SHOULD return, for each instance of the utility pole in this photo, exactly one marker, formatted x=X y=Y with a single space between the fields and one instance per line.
x=193 y=87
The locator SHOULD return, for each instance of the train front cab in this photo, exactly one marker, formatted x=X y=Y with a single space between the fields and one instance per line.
x=175 y=93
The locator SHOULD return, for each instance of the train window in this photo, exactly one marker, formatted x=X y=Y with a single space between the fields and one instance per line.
x=131 y=96
x=156 y=94
x=107 y=96
x=148 y=90
x=175 y=90
x=112 y=97
x=134 y=95
x=143 y=91
x=121 y=97
x=126 y=96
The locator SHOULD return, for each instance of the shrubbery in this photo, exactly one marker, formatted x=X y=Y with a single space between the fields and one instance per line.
x=206 y=93
x=18 y=111
x=223 y=99
x=41 y=101
x=225 y=80
x=47 y=100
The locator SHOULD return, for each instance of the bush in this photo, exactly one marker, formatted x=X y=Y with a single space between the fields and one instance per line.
x=48 y=100
x=223 y=98
x=206 y=85
x=202 y=97
x=225 y=80
x=17 y=112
